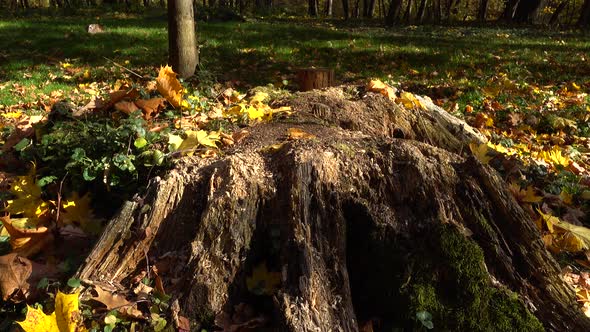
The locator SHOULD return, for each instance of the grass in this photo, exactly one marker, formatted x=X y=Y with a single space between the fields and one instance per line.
x=438 y=61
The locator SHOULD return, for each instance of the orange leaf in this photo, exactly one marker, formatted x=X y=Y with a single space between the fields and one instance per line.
x=169 y=86
x=27 y=242
x=126 y=107
x=151 y=106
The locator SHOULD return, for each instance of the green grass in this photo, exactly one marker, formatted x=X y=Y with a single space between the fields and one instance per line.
x=438 y=61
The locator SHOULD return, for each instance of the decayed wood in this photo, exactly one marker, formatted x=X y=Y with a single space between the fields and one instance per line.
x=341 y=217
x=315 y=78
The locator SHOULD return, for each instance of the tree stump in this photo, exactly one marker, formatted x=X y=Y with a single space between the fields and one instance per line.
x=358 y=228
x=315 y=78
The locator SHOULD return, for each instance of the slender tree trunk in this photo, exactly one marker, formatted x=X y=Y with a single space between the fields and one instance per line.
x=421 y=11
x=584 y=19
x=408 y=12
x=482 y=11
x=313 y=8
x=182 y=43
x=393 y=13
x=555 y=16
x=346 y=9
x=329 y=8
x=436 y=11
x=370 y=11
x=510 y=9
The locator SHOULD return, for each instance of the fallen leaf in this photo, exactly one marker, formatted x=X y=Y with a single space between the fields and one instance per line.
x=65 y=318
x=262 y=281
x=14 y=272
x=297 y=133
x=77 y=211
x=151 y=107
x=169 y=86
x=27 y=242
x=382 y=88
x=480 y=152
x=126 y=107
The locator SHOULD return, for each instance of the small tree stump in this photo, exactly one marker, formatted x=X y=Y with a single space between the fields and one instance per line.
x=315 y=78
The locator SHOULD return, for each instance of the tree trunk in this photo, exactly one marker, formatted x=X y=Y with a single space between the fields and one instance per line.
x=329 y=8
x=312 y=8
x=346 y=9
x=315 y=78
x=482 y=10
x=378 y=216
x=421 y=10
x=369 y=8
x=182 y=42
x=393 y=12
x=555 y=16
x=584 y=20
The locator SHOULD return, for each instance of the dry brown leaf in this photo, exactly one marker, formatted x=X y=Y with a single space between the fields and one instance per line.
x=126 y=107
x=24 y=129
x=117 y=302
x=151 y=107
x=238 y=136
x=297 y=133
x=14 y=272
x=111 y=301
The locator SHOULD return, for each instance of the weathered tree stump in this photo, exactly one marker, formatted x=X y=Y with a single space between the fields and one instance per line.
x=315 y=78
x=362 y=227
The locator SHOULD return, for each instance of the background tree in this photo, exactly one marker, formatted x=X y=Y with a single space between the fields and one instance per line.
x=182 y=43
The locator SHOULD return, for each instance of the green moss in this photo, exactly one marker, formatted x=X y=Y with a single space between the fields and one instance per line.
x=453 y=286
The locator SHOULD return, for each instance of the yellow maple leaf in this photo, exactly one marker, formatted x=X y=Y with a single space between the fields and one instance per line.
x=254 y=113
x=554 y=157
x=262 y=281
x=480 y=151
x=528 y=195
x=382 y=88
x=169 y=87
x=258 y=97
x=409 y=101
x=196 y=139
x=27 y=199
x=174 y=141
x=77 y=211
x=65 y=318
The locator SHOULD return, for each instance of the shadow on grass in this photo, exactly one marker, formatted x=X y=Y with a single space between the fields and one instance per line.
x=259 y=53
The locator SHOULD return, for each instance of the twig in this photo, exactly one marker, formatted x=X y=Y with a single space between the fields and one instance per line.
x=121 y=66
x=61 y=183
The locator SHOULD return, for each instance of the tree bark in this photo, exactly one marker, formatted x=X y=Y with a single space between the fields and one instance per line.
x=329 y=8
x=584 y=20
x=346 y=9
x=182 y=42
x=377 y=216
x=312 y=9
x=393 y=12
x=555 y=16
x=482 y=10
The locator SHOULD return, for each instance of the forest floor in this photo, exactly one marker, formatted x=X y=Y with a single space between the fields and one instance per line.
x=525 y=88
